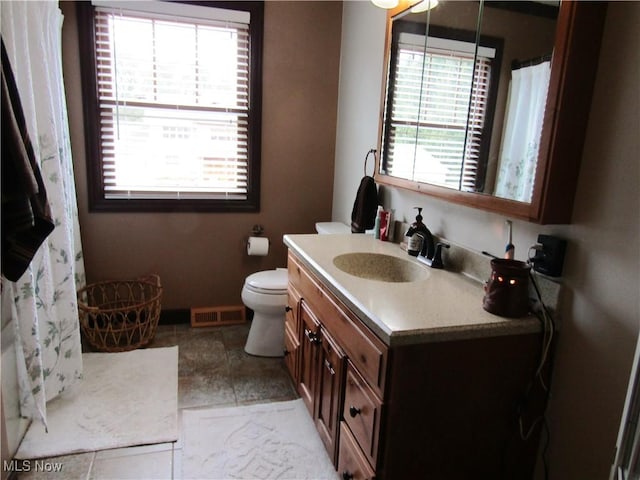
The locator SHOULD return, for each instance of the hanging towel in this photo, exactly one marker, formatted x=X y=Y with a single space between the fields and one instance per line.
x=363 y=216
x=26 y=218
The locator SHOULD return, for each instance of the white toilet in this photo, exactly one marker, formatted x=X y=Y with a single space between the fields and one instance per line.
x=266 y=294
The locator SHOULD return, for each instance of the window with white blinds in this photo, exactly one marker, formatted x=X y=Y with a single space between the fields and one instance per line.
x=435 y=122
x=173 y=103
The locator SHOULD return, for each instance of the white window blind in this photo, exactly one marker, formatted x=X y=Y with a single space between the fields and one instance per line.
x=436 y=108
x=173 y=96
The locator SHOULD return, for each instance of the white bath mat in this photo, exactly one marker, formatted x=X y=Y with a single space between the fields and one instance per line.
x=266 y=441
x=124 y=399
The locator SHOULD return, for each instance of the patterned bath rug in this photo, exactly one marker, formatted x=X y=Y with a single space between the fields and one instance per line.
x=265 y=441
x=124 y=399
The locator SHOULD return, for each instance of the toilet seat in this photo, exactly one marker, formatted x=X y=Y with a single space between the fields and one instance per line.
x=268 y=282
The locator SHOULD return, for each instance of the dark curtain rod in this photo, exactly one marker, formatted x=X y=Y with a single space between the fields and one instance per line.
x=516 y=64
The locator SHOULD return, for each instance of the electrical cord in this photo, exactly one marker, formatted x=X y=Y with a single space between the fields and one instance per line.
x=545 y=449
x=548 y=328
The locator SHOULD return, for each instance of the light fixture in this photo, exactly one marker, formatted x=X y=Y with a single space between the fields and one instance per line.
x=424 y=5
x=386 y=4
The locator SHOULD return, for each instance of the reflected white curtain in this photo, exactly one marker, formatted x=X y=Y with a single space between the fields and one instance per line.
x=521 y=137
x=42 y=304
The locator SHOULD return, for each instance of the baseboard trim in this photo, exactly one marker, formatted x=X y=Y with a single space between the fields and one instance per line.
x=174 y=316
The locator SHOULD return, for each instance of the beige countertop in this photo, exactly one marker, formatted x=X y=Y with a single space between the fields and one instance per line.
x=440 y=306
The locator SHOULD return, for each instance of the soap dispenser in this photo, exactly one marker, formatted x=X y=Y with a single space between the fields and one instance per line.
x=415 y=235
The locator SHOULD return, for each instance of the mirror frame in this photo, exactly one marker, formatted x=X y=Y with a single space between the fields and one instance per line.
x=573 y=71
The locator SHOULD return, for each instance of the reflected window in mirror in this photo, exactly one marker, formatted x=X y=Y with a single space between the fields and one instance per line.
x=442 y=94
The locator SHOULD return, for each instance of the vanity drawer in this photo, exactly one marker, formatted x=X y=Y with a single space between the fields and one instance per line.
x=351 y=462
x=362 y=410
x=367 y=352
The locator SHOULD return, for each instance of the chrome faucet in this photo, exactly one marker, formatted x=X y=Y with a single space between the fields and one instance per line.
x=429 y=254
x=428 y=249
x=436 y=260
x=433 y=260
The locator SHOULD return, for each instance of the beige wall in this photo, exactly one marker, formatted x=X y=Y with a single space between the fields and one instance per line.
x=201 y=258
x=601 y=310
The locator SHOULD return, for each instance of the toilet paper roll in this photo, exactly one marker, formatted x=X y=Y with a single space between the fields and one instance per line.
x=258 y=246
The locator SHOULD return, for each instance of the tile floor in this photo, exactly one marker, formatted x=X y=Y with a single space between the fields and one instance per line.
x=213 y=370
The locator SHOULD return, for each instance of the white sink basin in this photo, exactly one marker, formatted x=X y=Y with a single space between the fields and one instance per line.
x=377 y=266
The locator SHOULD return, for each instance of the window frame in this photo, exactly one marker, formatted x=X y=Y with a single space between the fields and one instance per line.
x=455 y=34
x=95 y=179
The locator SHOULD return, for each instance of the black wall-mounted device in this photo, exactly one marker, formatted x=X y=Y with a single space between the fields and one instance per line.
x=549 y=255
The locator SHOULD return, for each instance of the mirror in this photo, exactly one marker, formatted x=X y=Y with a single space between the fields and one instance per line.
x=470 y=109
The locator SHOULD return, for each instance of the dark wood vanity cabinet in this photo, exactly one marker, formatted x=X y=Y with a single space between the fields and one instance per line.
x=309 y=358
x=321 y=378
x=291 y=337
x=316 y=364
x=438 y=410
x=329 y=388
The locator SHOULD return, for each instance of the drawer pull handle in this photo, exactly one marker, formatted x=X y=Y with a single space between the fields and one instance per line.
x=346 y=475
x=353 y=411
x=313 y=337
x=327 y=364
x=287 y=308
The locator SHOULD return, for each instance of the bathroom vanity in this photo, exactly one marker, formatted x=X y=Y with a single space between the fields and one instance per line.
x=407 y=376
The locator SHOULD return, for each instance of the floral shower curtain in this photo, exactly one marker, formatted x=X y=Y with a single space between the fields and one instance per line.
x=42 y=303
x=523 y=126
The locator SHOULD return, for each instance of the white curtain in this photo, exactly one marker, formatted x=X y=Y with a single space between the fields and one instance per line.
x=523 y=126
x=42 y=304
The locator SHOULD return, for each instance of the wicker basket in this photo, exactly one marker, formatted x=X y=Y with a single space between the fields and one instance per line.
x=116 y=316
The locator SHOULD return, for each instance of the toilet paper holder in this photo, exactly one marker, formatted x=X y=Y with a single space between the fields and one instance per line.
x=261 y=244
x=258 y=246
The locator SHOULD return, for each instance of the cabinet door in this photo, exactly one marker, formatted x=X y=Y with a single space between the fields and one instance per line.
x=329 y=394
x=292 y=310
x=292 y=353
x=292 y=334
x=309 y=357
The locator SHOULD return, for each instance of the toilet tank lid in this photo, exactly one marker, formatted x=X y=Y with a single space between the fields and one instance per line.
x=332 y=227
x=269 y=279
